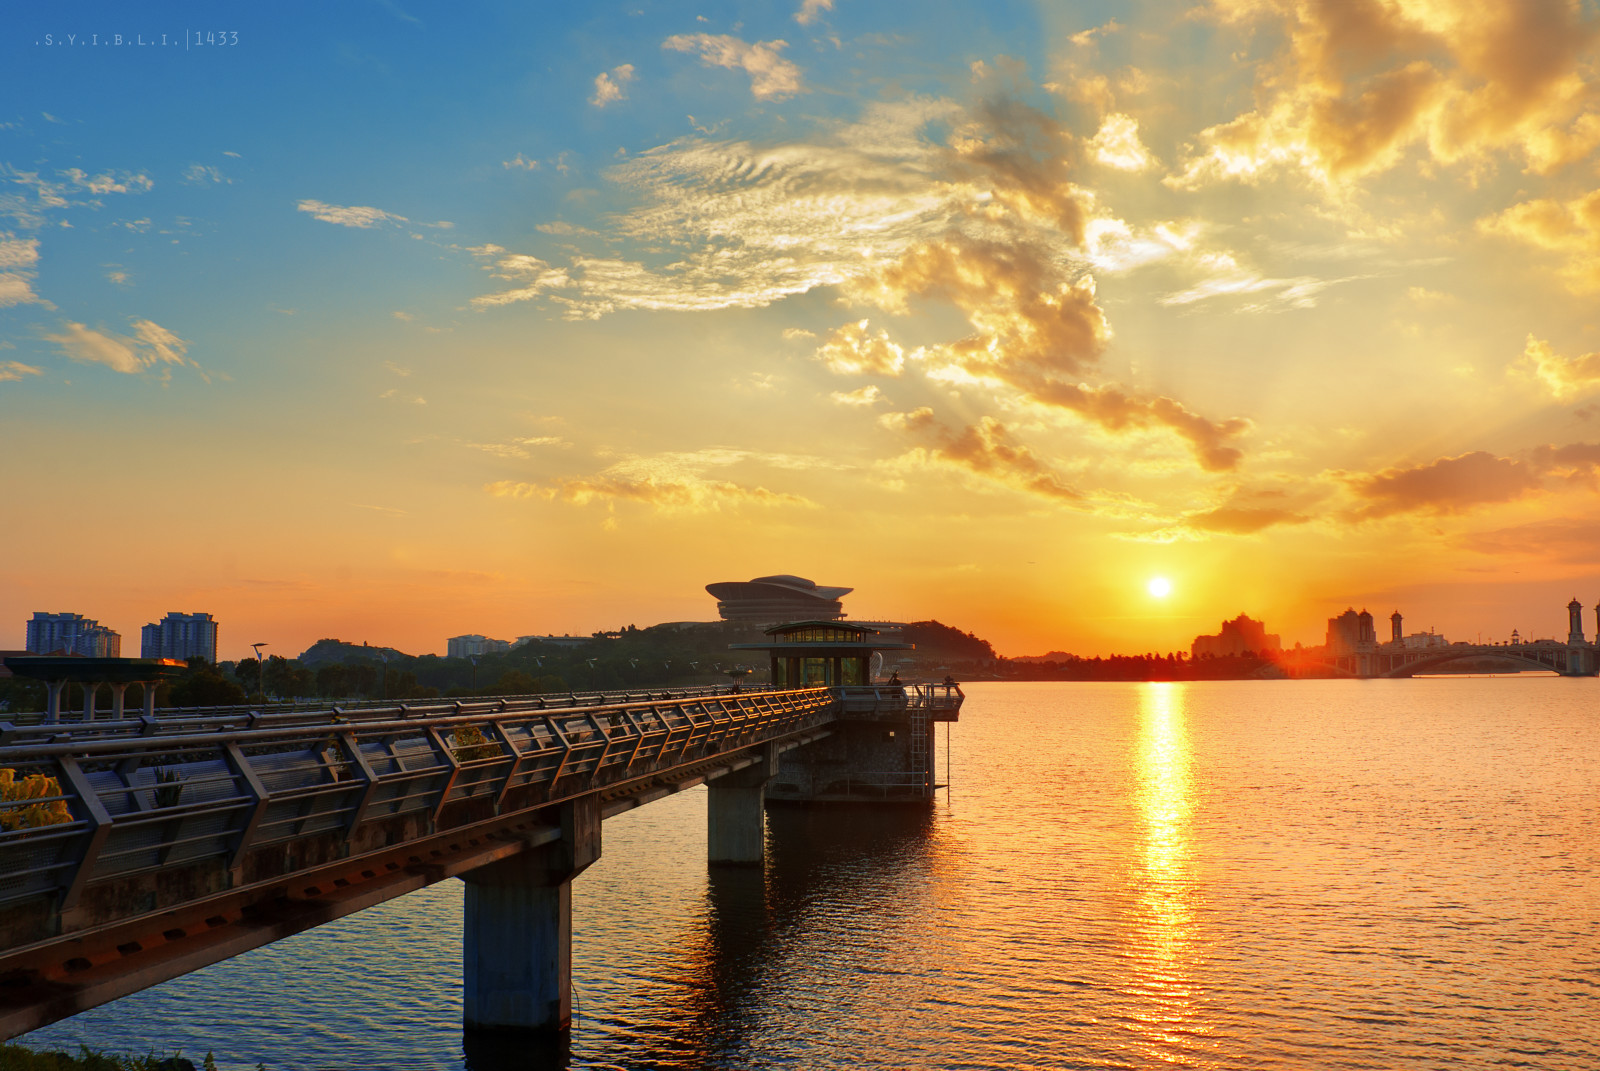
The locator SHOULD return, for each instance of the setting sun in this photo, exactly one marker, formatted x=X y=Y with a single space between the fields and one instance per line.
x=1159 y=587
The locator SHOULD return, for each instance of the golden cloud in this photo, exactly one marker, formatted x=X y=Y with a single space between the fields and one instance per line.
x=1359 y=83
x=986 y=449
x=1447 y=485
x=852 y=350
x=771 y=76
x=150 y=345
x=1564 y=377
x=1570 y=227
x=671 y=482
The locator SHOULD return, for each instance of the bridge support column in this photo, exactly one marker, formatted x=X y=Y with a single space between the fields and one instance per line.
x=517 y=940
x=735 y=811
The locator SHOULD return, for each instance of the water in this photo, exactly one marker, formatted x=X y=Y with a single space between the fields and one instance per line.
x=1262 y=874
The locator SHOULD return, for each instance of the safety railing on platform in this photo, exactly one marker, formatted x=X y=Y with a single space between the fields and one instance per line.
x=893 y=700
x=84 y=804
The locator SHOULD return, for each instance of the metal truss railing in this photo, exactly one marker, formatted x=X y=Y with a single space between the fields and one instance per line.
x=116 y=800
x=296 y=711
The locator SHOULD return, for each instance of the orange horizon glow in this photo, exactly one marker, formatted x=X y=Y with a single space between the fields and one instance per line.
x=999 y=317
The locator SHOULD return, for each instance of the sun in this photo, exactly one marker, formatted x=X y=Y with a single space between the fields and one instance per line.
x=1159 y=587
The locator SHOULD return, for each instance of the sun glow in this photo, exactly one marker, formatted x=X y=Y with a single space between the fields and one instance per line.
x=1159 y=587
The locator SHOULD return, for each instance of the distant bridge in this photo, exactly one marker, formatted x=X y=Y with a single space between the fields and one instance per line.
x=149 y=847
x=1393 y=660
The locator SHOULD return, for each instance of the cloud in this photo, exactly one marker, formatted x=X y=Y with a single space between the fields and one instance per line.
x=985 y=449
x=811 y=10
x=685 y=494
x=612 y=86
x=1355 y=86
x=741 y=226
x=852 y=350
x=1563 y=377
x=1242 y=515
x=18 y=256
x=771 y=76
x=150 y=345
x=1447 y=485
x=1227 y=278
x=1117 y=145
x=17 y=252
x=536 y=276
x=1236 y=520
x=1570 y=227
x=1569 y=540
x=865 y=396
x=349 y=216
x=109 y=182
x=10 y=371
x=204 y=175
x=919 y=201
x=671 y=482
x=1116 y=410
x=520 y=163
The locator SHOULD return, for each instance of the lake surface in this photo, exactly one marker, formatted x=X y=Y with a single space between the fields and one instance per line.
x=1235 y=874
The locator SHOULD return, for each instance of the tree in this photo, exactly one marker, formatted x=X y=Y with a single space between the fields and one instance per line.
x=204 y=686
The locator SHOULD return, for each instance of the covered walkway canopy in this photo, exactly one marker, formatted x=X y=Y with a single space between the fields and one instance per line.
x=832 y=654
x=58 y=671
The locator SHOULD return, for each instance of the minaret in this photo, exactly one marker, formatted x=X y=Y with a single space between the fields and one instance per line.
x=1575 y=621
x=1397 y=634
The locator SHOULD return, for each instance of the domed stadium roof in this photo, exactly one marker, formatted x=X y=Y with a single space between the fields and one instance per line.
x=771 y=599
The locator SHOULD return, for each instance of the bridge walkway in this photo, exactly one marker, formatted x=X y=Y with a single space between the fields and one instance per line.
x=151 y=847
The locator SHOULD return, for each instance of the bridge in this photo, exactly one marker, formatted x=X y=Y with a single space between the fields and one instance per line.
x=134 y=850
x=1390 y=660
x=1353 y=650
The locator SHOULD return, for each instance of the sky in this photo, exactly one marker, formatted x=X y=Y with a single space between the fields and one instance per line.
x=392 y=321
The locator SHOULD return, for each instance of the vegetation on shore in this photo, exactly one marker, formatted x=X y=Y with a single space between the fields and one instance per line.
x=21 y=1058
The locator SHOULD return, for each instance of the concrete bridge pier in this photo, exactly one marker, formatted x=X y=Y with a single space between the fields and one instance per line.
x=517 y=940
x=735 y=812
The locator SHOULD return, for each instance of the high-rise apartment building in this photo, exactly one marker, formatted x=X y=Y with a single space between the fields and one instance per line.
x=472 y=644
x=71 y=634
x=180 y=636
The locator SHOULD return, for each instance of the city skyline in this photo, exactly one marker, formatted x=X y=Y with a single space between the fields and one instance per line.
x=388 y=324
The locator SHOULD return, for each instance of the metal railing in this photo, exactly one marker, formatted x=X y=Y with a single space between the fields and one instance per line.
x=120 y=800
x=886 y=700
x=238 y=714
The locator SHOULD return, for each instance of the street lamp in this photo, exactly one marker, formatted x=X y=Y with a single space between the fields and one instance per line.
x=261 y=671
x=384 y=657
x=474 y=660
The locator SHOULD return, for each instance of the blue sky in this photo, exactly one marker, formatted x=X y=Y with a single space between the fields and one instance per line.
x=392 y=323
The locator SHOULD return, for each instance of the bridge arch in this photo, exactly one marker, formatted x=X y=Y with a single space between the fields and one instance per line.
x=1555 y=663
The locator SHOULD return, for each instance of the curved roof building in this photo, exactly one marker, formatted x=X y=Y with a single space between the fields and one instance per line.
x=774 y=599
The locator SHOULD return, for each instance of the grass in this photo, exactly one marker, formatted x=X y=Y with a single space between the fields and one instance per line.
x=18 y=1058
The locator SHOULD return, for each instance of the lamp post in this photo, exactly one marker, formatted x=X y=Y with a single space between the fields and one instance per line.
x=261 y=671
x=474 y=660
x=384 y=657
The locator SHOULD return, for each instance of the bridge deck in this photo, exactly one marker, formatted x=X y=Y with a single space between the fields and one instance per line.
x=152 y=847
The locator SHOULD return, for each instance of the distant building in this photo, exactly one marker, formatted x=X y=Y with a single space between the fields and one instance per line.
x=769 y=600
x=180 y=636
x=556 y=641
x=99 y=642
x=1351 y=632
x=72 y=634
x=1236 y=637
x=472 y=645
x=1421 y=641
